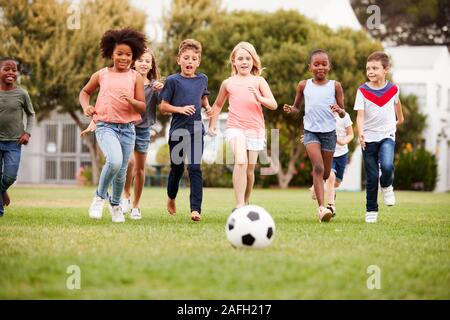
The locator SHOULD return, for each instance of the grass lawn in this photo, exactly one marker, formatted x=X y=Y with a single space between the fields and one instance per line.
x=47 y=229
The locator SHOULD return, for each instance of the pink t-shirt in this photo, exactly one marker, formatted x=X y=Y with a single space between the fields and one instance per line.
x=109 y=106
x=244 y=111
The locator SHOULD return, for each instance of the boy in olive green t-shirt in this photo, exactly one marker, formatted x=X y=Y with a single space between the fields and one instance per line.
x=14 y=102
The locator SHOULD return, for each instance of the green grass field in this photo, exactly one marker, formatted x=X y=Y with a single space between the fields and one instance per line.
x=46 y=230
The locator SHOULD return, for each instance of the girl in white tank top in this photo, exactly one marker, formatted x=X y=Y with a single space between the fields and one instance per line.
x=322 y=97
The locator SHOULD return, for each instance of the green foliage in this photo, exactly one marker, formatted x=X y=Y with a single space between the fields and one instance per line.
x=216 y=175
x=412 y=22
x=410 y=131
x=163 y=155
x=415 y=170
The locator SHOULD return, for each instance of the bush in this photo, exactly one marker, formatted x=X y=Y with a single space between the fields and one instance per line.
x=216 y=175
x=415 y=170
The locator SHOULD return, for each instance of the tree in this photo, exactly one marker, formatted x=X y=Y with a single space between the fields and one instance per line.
x=410 y=131
x=183 y=20
x=413 y=22
x=59 y=60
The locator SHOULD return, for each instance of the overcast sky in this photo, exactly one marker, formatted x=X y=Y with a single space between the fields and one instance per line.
x=335 y=13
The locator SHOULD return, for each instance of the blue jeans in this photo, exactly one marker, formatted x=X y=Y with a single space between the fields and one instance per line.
x=192 y=147
x=116 y=141
x=378 y=155
x=9 y=166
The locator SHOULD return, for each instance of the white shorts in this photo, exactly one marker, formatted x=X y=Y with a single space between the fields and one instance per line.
x=254 y=141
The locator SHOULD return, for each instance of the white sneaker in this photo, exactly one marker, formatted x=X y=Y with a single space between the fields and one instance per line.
x=388 y=196
x=135 y=214
x=126 y=205
x=325 y=214
x=116 y=213
x=371 y=216
x=96 y=208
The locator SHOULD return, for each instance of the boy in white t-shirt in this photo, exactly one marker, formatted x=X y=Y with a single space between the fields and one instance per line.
x=379 y=114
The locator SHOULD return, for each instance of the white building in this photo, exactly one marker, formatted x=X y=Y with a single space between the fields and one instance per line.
x=425 y=72
x=55 y=152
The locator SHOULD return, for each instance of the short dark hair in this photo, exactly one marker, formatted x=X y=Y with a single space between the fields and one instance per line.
x=318 y=51
x=3 y=59
x=136 y=40
x=190 y=44
x=380 y=56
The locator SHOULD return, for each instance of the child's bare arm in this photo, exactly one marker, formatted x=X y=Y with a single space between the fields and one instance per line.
x=399 y=113
x=213 y=113
x=85 y=95
x=360 y=127
x=138 y=102
x=339 y=96
x=91 y=128
x=266 y=97
x=348 y=136
x=295 y=108
x=205 y=103
x=165 y=108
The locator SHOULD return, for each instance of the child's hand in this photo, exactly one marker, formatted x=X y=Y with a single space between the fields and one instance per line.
x=24 y=138
x=187 y=110
x=302 y=138
x=211 y=112
x=207 y=108
x=91 y=128
x=256 y=93
x=288 y=109
x=336 y=108
x=340 y=142
x=212 y=131
x=89 y=111
x=157 y=86
x=362 y=141
x=127 y=96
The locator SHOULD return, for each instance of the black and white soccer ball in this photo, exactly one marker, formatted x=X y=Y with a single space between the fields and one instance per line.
x=250 y=227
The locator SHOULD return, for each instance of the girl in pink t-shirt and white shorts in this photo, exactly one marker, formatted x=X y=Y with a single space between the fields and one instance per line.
x=247 y=92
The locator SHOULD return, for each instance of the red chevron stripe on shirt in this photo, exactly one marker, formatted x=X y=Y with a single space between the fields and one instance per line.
x=381 y=100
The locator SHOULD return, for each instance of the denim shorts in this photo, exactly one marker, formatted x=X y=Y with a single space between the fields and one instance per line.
x=338 y=166
x=142 y=139
x=327 y=140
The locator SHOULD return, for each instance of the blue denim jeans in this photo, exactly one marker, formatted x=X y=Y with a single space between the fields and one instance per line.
x=190 y=146
x=10 y=153
x=116 y=142
x=378 y=155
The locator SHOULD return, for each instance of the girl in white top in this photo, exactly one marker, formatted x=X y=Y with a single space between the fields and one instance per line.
x=322 y=98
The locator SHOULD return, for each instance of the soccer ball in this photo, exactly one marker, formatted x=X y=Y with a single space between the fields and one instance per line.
x=250 y=227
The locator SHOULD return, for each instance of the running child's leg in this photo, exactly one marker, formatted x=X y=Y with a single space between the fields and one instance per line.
x=315 y=155
x=127 y=138
x=177 y=154
x=238 y=146
x=331 y=183
x=129 y=179
x=195 y=176
x=139 y=176
x=252 y=159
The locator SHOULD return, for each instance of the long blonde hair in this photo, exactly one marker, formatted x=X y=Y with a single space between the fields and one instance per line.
x=247 y=46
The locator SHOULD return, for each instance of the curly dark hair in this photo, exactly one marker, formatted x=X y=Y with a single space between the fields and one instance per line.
x=136 y=40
